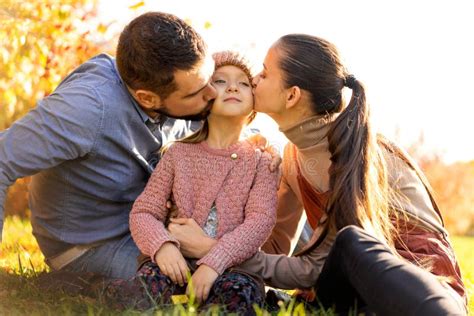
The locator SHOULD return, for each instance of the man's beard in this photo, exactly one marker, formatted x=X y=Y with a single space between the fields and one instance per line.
x=192 y=117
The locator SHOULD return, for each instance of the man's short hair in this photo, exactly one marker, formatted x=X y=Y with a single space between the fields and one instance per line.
x=152 y=47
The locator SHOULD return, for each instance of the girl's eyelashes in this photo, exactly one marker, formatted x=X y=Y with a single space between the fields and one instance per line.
x=222 y=81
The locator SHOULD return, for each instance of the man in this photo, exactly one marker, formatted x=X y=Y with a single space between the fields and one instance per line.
x=92 y=144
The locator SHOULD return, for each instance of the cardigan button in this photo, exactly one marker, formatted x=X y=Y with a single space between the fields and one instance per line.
x=233 y=156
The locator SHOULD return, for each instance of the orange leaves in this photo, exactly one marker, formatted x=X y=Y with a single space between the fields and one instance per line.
x=40 y=42
x=454 y=188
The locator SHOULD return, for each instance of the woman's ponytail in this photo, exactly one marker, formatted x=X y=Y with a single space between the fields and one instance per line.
x=358 y=172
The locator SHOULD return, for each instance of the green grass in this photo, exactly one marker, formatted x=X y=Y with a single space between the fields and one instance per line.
x=464 y=249
x=20 y=259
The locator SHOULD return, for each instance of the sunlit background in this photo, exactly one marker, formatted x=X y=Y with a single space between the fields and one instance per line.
x=415 y=57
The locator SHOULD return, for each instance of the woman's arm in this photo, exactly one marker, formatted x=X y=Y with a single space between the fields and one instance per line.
x=149 y=210
x=289 y=212
x=241 y=243
x=289 y=272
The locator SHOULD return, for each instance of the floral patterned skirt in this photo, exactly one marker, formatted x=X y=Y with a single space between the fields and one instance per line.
x=232 y=291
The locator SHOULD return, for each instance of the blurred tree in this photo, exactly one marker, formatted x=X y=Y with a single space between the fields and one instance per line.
x=454 y=190
x=453 y=185
x=40 y=42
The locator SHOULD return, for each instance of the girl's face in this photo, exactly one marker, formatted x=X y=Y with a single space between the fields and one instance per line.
x=269 y=92
x=234 y=92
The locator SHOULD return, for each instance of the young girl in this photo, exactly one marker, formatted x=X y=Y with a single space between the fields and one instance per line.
x=222 y=182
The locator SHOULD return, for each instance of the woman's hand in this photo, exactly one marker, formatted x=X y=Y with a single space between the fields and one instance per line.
x=172 y=263
x=201 y=282
x=261 y=142
x=193 y=241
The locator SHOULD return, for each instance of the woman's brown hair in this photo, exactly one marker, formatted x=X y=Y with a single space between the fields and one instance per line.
x=358 y=180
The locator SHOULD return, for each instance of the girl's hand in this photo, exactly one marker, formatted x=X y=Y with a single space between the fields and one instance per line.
x=193 y=241
x=172 y=208
x=172 y=263
x=202 y=281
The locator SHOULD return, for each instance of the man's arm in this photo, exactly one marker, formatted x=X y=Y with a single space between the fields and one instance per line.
x=63 y=126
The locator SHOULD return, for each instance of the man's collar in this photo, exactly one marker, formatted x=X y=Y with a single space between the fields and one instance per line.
x=159 y=119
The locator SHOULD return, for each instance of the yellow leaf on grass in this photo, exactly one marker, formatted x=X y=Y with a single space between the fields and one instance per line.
x=179 y=299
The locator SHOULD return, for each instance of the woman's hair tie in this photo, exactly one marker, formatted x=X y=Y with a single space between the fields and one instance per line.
x=350 y=81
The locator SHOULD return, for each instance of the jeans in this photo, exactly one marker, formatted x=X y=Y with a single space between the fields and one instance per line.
x=361 y=269
x=116 y=258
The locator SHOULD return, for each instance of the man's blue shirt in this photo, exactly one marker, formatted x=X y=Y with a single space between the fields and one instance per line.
x=90 y=149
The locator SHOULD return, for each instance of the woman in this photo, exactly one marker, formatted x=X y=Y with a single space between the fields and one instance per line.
x=378 y=236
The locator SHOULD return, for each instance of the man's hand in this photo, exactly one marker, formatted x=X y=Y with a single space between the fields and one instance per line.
x=202 y=281
x=172 y=263
x=261 y=142
x=194 y=243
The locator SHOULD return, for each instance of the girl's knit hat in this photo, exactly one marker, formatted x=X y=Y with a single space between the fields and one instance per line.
x=230 y=58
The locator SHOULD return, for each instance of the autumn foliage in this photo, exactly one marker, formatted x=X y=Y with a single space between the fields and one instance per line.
x=454 y=191
x=40 y=42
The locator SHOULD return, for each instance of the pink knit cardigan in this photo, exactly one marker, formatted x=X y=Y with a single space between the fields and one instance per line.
x=237 y=179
